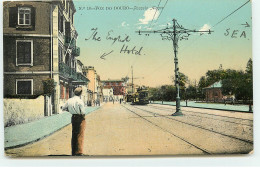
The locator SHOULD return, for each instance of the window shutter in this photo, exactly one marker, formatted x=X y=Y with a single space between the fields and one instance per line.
x=62 y=24
x=33 y=17
x=13 y=14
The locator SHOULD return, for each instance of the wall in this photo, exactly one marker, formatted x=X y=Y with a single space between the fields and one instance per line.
x=41 y=54
x=214 y=94
x=91 y=77
x=19 y=111
x=41 y=23
x=10 y=83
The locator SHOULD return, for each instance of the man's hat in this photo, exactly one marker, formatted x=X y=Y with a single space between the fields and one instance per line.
x=78 y=91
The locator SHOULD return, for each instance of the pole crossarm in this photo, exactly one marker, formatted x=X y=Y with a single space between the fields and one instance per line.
x=175 y=33
x=170 y=31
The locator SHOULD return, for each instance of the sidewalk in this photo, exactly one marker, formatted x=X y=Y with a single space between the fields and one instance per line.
x=227 y=107
x=23 y=134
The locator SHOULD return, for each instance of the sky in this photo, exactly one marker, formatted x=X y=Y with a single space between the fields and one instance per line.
x=155 y=65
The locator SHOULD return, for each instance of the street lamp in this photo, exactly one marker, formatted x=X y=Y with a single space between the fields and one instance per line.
x=175 y=34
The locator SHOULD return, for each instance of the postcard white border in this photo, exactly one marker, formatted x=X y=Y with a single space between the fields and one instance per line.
x=187 y=161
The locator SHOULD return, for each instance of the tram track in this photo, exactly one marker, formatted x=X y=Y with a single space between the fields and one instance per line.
x=171 y=133
x=197 y=126
x=219 y=116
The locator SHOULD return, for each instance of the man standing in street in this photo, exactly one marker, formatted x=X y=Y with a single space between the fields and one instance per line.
x=76 y=107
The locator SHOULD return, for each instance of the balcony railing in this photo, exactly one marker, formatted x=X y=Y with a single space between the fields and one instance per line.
x=71 y=74
x=82 y=78
x=70 y=42
x=76 y=51
x=65 y=70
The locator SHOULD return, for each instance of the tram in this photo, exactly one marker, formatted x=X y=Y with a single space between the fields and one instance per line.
x=140 y=97
x=129 y=98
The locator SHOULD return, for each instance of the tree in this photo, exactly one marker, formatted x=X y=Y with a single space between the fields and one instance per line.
x=239 y=83
x=213 y=76
x=203 y=82
x=249 y=79
x=183 y=79
x=165 y=92
x=249 y=67
x=191 y=92
x=169 y=93
x=232 y=82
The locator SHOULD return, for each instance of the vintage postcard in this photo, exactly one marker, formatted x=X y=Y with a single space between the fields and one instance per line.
x=127 y=77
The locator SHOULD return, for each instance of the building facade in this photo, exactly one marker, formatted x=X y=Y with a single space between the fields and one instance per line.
x=40 y=44
x=213 y=92
x=108 y=94
x=84 y=95
x=118 y=86
x=95 y=87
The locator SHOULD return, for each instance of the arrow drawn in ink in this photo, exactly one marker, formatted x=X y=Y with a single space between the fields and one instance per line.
x=105 y=54
x=246 y=25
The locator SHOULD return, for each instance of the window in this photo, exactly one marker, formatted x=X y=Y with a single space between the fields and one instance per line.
x=24 y=52
x=62 y=91
x=60 y=53
x=60 y=24
x=24 y=86
x=24 y=16
x=67 y=59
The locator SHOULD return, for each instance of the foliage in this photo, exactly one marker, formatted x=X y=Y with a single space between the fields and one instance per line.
x=48 y=86
x=191 y=92
x=239 y=83
x=165 y=92
x=183 y=80
x=234 y=82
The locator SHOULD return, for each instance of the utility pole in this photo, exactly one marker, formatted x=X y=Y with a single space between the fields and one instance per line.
x=174 y=34
x=132 y=80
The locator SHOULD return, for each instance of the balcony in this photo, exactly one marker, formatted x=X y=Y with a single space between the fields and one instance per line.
x=82 y=78
x=64 y=70
x=72 y=75
x=76 y=51
x=70 y=42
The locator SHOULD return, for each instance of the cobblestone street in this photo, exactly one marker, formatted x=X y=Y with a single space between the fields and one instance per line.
x=125 y=129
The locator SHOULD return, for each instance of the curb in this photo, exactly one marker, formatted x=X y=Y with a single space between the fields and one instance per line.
x=38 y=139
x=11 y=142
x=208 y=108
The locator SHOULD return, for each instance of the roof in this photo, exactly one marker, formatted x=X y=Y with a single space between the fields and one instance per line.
x=215 y=85
x=79 y=62
x=115 y=80
x=107 y=87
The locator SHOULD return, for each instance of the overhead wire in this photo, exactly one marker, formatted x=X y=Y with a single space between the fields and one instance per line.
x=231 y=13
x=200 y=37
x=162 y=10
x=146 y=38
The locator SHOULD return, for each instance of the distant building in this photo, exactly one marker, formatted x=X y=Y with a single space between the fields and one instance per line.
x=129 y=88
x=118 y=86
x=95 y=93
x=108 y=94
x=99 y=90
x=79 y=70
x=213 y=92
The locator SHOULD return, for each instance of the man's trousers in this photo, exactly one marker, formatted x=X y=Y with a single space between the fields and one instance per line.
x=78 y=129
